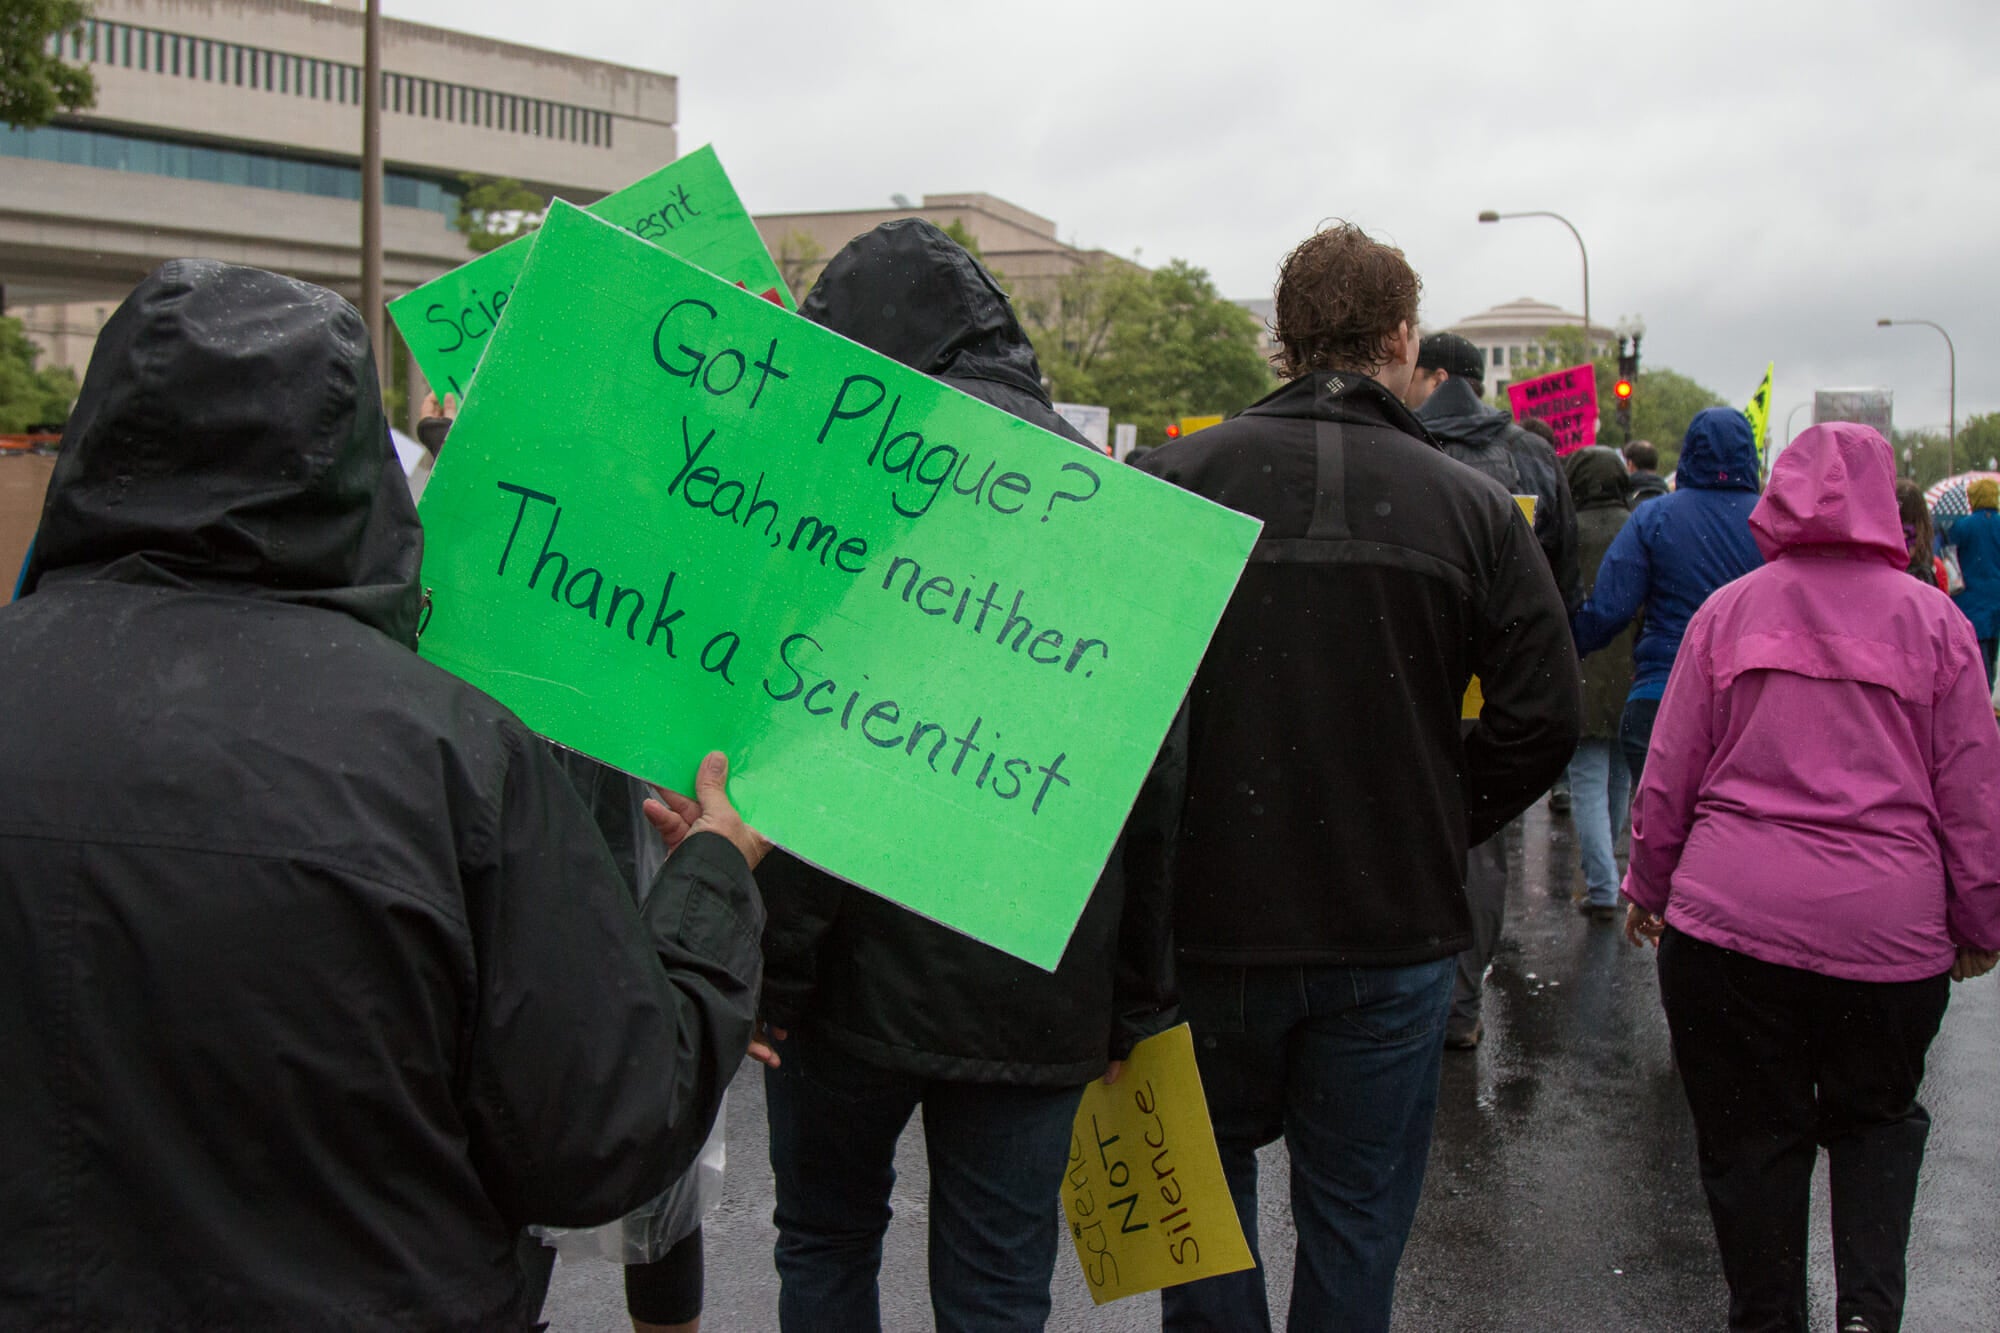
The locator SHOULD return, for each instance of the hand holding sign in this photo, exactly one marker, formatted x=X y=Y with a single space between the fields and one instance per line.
x=1144 y=1194
x=677 y=818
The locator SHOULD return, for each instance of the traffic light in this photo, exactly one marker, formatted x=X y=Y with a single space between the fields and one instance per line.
x=1628 y=372
x=1173 y=430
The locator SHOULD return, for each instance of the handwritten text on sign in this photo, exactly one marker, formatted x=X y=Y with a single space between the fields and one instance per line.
x=1567 y=400
x=688 y=207
x=1145 y=1197
x=931 y=637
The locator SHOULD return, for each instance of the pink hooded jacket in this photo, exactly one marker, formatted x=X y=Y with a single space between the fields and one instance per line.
x=1823 y=788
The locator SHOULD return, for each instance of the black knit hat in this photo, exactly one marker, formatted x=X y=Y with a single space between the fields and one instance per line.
x=1453 y=355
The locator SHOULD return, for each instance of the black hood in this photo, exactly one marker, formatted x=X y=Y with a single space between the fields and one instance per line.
x=1598 y=477
x=230 y=436
x=1455 y=415
x=912 y=293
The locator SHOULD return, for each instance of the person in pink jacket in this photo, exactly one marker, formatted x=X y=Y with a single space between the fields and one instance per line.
x=1815 y=849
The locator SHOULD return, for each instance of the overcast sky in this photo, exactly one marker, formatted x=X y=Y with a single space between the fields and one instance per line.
x=1758 y=181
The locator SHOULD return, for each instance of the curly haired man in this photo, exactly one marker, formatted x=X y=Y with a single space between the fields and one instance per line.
x=1319 y=899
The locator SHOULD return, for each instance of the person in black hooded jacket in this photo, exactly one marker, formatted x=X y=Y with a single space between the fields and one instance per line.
x=881 y=1010
x=1447 y=394
x=317 y=983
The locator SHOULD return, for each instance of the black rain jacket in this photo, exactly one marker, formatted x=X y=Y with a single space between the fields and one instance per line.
x=1489 y=440
x=1602 y=489
x=317 y=983
x=875 y=979
x=1330 y=792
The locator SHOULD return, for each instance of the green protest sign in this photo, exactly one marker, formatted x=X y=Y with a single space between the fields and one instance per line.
x=939 y=645
x=688 y=207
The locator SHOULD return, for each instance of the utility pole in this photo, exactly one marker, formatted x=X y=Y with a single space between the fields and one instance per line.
x=371 y=189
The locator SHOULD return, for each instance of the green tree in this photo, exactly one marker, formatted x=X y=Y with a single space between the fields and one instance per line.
x=493 y=211
x=1151 y=346
x=1663 y=401
x=958 y=231
x=35 y=85
x=1072 y=329
x=30 y=397
x=1922 y=454
x=1979 y=441
x=1930 y=455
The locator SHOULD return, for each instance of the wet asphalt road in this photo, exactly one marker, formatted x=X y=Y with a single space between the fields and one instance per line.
x=1561 y=1193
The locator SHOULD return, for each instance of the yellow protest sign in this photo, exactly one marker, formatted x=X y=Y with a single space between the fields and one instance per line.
x=1475 y=698
x=1147 y=1203
x=1759 y=412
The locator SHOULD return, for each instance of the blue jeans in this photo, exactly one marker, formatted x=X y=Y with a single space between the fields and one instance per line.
x=1635 y=734
x=1343 y=1063
x=1600 y=785
x=997 y=1155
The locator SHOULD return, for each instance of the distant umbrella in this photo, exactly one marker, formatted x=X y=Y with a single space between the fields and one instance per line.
x=1947 y=498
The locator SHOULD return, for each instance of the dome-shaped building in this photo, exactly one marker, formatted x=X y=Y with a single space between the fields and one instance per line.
x=1511 y=337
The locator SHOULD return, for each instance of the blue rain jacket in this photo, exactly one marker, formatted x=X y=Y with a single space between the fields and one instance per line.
x=1977 y=537
x=1678 y=549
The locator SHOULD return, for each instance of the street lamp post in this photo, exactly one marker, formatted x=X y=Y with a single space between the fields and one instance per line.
x=1951 y=421
x=1490 y=216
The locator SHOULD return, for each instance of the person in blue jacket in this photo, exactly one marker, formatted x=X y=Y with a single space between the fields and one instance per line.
x=1668 y=558
x=1977 y=537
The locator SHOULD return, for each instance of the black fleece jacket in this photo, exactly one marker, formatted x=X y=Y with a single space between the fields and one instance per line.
x=1330 y=795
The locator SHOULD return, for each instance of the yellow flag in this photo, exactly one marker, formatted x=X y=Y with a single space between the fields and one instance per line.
x=1759 y=412
x=1145 y=1197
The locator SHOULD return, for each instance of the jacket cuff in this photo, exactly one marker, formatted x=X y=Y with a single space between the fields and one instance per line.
x=1131 y=1029
x=780 y=1006
x=719 y=915
x=1643 y=895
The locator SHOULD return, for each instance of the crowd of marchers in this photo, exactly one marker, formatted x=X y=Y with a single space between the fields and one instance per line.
x=327 y=989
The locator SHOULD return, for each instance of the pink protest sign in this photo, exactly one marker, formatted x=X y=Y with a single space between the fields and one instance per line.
x=1567 y=400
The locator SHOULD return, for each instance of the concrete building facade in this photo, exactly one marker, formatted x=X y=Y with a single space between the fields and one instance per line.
x=1264 y=309
x=231 y=129
x=1020 y=246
